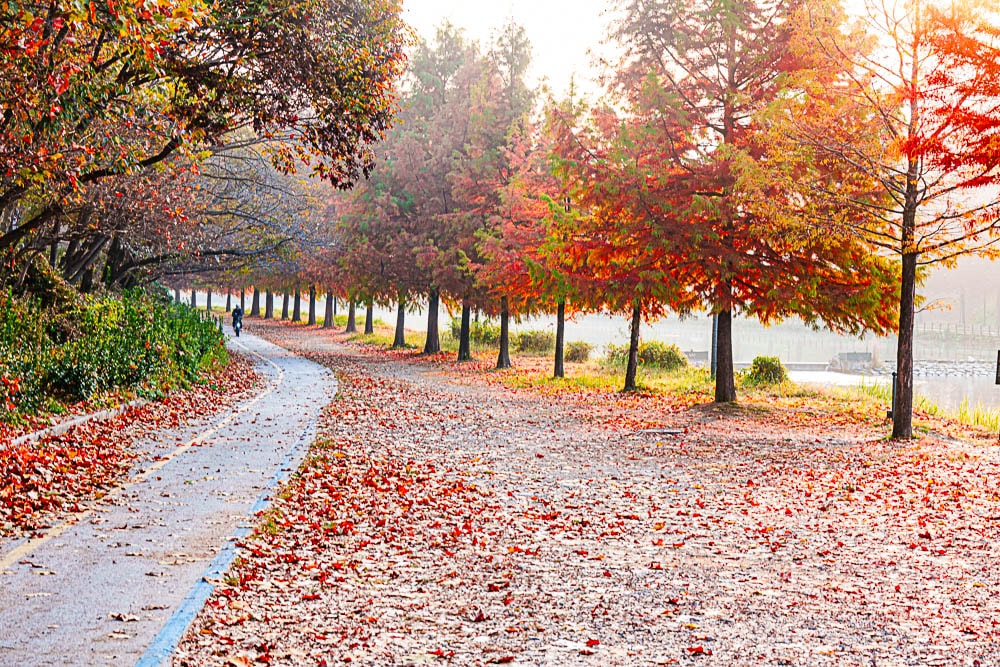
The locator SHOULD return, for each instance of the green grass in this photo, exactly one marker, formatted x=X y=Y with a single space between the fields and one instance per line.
x=882 y=391
x=979 y=416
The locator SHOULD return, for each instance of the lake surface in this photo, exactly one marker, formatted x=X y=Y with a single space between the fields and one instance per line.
x=791 y=342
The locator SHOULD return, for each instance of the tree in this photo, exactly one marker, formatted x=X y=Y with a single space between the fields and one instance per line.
x=621 y=244
x=696 y=76
x=498 y=144
x=92 y=94
x=901 y=110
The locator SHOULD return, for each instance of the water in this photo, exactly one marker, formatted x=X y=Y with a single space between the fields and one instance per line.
x=791 y=342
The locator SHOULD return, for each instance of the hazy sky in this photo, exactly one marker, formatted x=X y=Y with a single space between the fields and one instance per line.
x=561 y=31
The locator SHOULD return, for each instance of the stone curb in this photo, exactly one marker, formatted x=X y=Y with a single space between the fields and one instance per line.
x=62 y=427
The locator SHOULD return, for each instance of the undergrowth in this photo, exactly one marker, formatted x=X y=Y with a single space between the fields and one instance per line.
x=51 y=355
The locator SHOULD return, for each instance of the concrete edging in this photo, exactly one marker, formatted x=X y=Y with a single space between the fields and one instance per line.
x=62 y=427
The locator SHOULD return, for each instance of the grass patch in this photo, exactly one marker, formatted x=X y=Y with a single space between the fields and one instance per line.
x=978 y=416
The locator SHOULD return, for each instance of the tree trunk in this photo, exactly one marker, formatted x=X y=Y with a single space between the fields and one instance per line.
x=177 y=295
x=87 y=280
x=243 y=299
x=465 y=334
x=352 y=317
x=560 y=367
x=312 y=306
x=54 y=246
x=208 y=302
x=284 y=305
x=400 y=340
x=725 y=376
x=632 y=364
x=503 y=358
x=229 y=301
x=902 y=411
x=268 y=305
x=194 y=299
x=433 y=344
x=329 y=319
x=297 y=306
x=255 y=303
x=370 y=318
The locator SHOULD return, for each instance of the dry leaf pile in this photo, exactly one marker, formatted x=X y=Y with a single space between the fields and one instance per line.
x=444 y=520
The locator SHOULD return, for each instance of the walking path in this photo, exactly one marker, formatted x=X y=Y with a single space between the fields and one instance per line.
x=118 y=584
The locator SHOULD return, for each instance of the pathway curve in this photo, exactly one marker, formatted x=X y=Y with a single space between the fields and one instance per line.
x=118 y=584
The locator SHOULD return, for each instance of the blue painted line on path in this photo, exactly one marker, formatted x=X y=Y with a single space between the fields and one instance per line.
x=166 y=641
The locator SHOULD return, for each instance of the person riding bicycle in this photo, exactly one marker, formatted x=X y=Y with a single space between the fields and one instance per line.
x=237 y=320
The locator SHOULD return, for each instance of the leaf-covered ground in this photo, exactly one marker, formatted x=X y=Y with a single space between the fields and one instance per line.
x=446 y=519
x=43 y=481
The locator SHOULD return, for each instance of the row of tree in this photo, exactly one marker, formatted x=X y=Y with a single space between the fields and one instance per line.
x=770 y=159
x=139 y=140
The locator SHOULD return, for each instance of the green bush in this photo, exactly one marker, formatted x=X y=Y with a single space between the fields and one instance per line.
x=484 y=333
x=24 y=349
x=534 y=341
x=661 y=355
x=654 y=354
x=100 y=344
x=765 y=371
x=577 y=351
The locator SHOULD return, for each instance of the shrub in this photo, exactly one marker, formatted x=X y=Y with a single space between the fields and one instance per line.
x=536 y=341
x=664 y=356
x=654 y=354
x=100 y=344
x=577 y=351
x=483 y=333
x=765 y=371
x=24 y=349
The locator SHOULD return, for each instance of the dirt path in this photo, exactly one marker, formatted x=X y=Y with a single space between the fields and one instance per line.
x=117 y=584
x=445 y=519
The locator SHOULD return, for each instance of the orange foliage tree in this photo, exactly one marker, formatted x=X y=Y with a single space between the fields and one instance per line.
x=893 y=138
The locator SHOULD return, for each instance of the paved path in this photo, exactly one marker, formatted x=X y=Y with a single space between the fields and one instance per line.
x=118 y=584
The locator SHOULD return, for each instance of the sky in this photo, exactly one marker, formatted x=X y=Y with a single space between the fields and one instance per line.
x=561 y=31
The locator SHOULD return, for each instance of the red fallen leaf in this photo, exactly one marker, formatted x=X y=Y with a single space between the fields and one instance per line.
x=586 y=651
x=442 y=654
x=593 y=642
x=502 y=660
x=699 y=650
x=311 y=596
x=539 y=455
x=508 y=599
x=480 y=617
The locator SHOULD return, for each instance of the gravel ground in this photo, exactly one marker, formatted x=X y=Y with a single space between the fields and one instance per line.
x=444 y=518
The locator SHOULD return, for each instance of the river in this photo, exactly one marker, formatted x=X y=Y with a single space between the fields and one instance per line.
x=793 y=342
